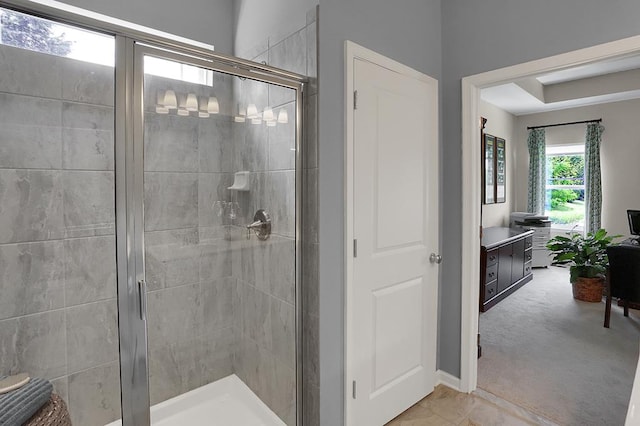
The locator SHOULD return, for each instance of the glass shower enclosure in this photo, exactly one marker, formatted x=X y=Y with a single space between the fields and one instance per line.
x=150 y=244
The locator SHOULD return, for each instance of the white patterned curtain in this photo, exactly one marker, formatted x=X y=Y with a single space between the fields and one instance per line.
x=592 y=184
x=537 y=171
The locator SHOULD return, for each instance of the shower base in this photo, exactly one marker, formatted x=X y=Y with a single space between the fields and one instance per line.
x=224 y=402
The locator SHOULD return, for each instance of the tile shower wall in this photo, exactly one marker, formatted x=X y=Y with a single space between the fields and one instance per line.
x=58 y=316
x=265 y=271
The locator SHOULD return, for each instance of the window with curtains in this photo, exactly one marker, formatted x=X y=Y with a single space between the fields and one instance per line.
x=565 y=186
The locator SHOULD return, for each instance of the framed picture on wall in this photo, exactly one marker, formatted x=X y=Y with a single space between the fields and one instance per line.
x=488 y=169
x=501 y=171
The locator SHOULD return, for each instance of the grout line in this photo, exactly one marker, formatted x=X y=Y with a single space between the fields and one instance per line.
x=104 y=364
x=54 y=240
x=61 y=170
x=63 y=308
x=193 y=284
x=58 y=99
x=293 y=305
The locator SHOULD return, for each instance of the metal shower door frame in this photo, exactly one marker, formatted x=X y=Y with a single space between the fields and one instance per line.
x=130 y=193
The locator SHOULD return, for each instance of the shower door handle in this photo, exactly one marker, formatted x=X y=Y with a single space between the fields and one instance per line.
x=142 y=294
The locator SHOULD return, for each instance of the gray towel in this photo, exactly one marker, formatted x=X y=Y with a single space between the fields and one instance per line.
x=17 y=406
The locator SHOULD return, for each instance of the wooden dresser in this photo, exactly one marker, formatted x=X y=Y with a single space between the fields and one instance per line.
x=505 y=263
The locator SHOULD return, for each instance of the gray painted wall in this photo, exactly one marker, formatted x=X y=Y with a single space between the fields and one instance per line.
x=207 y=21
x=482 y=36
x=409 y=34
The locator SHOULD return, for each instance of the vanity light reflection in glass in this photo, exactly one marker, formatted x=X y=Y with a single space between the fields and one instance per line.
x=185 y=104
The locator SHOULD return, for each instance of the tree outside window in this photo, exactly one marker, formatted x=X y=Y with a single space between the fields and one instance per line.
x=565 y=187
x=32 y=33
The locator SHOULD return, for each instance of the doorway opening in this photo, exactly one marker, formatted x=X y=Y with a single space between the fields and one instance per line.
x=472 y=87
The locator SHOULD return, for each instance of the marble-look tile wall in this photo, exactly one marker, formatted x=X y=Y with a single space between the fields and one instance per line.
x=191 y=291
x=265 y=271
x=58 y=317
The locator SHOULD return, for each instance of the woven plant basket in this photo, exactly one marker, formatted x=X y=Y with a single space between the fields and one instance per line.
x=53 y=413
x=588 y=289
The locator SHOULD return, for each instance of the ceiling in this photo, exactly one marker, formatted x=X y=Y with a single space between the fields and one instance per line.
x=596 y=83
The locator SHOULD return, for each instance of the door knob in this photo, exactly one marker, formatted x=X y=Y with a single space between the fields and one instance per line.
x=435 y=258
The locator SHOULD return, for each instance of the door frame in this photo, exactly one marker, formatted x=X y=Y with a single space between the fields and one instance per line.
x=354 y=51
x=471 y=166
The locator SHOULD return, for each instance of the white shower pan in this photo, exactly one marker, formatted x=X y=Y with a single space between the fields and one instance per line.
x=224 y=402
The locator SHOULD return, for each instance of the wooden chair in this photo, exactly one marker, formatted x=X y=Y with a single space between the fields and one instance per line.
x=623 y=277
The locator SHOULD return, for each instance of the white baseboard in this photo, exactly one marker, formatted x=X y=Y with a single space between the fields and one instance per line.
x=444 y=378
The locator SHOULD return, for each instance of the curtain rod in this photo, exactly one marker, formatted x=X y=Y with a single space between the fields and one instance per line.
x=598 y=120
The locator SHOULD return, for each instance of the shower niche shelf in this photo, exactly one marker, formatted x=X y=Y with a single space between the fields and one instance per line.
x=240 y=181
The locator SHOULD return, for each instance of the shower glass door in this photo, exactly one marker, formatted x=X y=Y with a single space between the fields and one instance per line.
x=221 y=297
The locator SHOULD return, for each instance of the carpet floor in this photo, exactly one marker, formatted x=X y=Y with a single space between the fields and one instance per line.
x=549 y=353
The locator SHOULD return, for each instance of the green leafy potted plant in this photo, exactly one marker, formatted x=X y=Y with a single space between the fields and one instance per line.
x=588 y=258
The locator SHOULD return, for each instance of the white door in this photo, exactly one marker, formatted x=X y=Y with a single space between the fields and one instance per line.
x=392 y=345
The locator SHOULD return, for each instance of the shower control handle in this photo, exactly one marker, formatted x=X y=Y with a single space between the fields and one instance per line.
x=142 y=294
x=261 y=225
x=255 y=225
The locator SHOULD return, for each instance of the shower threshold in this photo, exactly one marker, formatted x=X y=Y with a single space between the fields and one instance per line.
x=227 y=401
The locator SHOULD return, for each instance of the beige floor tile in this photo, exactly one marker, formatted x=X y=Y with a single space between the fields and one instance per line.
x=446 y=406
x=467 y=422
x=449 y=404
x=486 y=414
x=419 y=416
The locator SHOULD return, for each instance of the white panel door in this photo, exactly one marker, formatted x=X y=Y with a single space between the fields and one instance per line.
x=395 y=223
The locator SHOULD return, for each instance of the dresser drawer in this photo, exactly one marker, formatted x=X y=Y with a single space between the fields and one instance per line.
x=527 y=268
x=492 y=273
x=492 y=257
x=490 y=290
x=528 y=242
x=528 y=256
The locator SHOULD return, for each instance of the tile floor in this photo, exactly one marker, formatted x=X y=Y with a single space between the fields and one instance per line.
x=446 y=406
